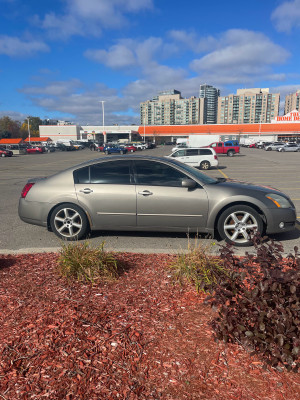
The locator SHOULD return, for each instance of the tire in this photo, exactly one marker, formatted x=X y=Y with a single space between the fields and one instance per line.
x=269 y=149
x=244 y=220
x=2 y=155
x=121 y=152
x=106 y=152
x=69 y=222
x=230 y=153
x=205 y=165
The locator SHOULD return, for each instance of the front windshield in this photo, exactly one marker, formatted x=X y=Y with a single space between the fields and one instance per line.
x=205 y=179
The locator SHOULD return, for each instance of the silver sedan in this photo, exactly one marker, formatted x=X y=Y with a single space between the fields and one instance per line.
x=144 y=193
x=289 y=147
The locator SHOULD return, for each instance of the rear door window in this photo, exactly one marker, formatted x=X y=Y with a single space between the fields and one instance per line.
x=113 y=173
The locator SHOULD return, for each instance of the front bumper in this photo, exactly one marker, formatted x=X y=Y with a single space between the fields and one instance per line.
x=281 y=220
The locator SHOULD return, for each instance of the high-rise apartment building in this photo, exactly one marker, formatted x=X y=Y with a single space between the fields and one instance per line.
x=211 y=95
x=169 y=108
x=248 y=106
x=292 y=102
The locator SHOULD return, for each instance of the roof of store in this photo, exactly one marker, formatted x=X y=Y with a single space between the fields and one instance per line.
x=236 y=129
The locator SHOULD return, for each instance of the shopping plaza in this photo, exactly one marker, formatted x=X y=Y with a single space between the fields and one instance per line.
x=283 y=128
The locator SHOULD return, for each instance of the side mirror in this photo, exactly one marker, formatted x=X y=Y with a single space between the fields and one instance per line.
x=188 y=183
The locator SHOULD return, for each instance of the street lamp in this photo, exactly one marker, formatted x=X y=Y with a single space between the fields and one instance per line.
x=28 y=129
x=103 y=101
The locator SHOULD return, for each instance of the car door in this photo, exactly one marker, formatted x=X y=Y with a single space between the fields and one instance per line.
x=162 y=202
x=107 y=191
x=191 y=157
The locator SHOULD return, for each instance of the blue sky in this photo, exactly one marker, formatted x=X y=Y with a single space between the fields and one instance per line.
x=60 y=58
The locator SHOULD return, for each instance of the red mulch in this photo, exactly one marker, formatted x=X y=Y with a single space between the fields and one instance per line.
x=141 y=337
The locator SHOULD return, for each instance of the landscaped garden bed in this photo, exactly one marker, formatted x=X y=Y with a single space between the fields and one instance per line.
x=142 y=336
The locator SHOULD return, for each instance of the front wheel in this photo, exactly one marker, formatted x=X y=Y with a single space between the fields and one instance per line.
x=230 y=153
x=106 y=152
x=237 y=223
x=2 y=155
x=69 y=222
x=121 y=152
x=205 y=165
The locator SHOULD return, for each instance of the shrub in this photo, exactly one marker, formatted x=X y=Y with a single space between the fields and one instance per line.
x=259 y=304
x=199 y=268
x=82 y=262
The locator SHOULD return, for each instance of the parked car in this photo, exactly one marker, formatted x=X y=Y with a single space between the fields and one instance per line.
x=35 y=149
x=140 y=146
x=252 y=146
x=147 y=193
x=49 y=148
x=225 y=148
x=273 y=146
x=130 y=148
x=78 y=145
x=289 y=147
x=114 y=148
x=203 y=158
x=5 y=152
x=151 y=145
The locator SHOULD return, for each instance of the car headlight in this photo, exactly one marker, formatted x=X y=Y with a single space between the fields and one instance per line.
x=279 y=201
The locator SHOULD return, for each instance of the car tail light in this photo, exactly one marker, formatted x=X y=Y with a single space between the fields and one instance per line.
x=216 y=157
x=26 y=189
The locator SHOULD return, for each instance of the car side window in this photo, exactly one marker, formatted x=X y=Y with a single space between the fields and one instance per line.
x=205 y=152
x=179 y=153
x=113 y=173
x=192 y=152
x=157 y=174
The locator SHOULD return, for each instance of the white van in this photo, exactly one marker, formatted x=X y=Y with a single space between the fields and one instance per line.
x=203 y=158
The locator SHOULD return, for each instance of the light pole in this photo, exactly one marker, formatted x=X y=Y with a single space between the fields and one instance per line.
x=145 y=127
x=103 y=101
x=28 y=129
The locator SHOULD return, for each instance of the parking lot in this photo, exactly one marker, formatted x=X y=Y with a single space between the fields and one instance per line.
x=280 y=170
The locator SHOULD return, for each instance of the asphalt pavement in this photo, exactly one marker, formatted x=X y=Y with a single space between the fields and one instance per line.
x=279 y=170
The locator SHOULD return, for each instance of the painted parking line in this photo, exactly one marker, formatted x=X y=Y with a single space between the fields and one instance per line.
x=225 y=176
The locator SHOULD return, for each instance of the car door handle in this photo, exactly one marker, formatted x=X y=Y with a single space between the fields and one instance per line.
x=145 y=193
x=86 y=191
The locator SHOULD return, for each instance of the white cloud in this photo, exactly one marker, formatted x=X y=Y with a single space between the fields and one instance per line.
x=241 y=56
x=287 y=16
x=55 y=89
x=132 y=53
x=118 y=56
x=192 y=41
x=89 y=17
x=15 y=47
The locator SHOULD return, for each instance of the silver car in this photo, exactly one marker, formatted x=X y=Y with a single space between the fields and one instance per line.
x=274 y=146
x=289 y=147
x=144 y=193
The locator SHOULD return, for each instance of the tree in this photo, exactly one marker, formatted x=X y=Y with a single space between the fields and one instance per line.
x=9 y=128
x=34 y=123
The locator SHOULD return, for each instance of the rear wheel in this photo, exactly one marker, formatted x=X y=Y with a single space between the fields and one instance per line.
x=230 y=153
x=205 y=165
x=2 y=155
x=237 y=223
x=121 y=152
x=69 y=222
x=106 y=152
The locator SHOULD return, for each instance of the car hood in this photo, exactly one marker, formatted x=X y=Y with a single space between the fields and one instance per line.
x=240 y=186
